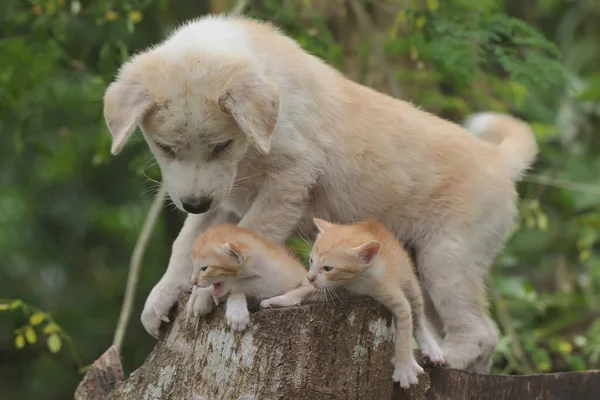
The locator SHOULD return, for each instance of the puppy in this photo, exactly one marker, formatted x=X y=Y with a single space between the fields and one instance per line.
x=249 y=128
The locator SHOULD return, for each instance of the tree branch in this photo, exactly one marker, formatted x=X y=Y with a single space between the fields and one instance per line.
x=563 y=184
x=366 y=25
x=136 y=264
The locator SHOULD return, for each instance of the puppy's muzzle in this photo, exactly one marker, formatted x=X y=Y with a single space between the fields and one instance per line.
x=196 y=205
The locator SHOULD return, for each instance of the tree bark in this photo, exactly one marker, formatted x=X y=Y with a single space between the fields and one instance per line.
x=335 y=350
x=329 y=351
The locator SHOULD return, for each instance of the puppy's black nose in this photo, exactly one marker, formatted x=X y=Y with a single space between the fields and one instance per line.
x=196 y=205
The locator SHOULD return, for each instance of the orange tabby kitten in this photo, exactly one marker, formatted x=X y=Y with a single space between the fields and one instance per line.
x=238 y=263
x=367 y=259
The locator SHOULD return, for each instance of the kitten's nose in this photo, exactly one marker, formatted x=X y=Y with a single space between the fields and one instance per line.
x=196 y=205
x=311 y=278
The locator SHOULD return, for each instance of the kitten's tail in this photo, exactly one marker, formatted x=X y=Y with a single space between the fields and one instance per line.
x=514 y=138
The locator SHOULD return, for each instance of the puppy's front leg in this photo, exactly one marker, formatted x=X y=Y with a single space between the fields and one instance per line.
x=177 y=277
x=279 y=207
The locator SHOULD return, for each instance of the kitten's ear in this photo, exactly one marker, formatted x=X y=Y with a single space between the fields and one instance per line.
x=235 y=251
x=322 y=225
x=368 y=251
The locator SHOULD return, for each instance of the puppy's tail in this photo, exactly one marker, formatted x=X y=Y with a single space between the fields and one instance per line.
x=514 y=138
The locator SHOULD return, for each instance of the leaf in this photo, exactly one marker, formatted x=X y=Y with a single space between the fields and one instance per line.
x=54 y=343
x=576 y=363
x=135 y=16
x=51 y=328
x=19 y=341
x=30 y=335
x=580 y=341
x=544 y=366
x=565 y=347
x=37 y=318
x=433 y=5
x=111 y=16
x=15 y=304
x=4 y=307
x=542 y=222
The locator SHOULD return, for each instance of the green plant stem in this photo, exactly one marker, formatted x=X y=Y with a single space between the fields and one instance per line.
x=136 y=264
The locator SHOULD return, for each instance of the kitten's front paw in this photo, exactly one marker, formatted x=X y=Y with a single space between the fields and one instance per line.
x=278 y=301
x=200 y=302
x=266 y=304
x=238 y=318
x=407 y=374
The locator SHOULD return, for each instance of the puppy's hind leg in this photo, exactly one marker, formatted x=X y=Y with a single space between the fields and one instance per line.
x=453 y=274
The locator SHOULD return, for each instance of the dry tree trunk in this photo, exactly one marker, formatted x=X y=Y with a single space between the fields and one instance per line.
x=328 y=351
x=324 y=351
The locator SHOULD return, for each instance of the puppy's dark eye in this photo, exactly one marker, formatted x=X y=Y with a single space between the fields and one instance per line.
x=168 y=150
x=204 y=268
x=327 y=269
x=221 y=147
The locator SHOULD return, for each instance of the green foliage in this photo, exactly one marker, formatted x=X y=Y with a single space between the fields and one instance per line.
x=465 y=44
x=69 y=214
x=40 y=320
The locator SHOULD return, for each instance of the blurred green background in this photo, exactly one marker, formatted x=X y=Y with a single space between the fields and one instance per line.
x=70 y=214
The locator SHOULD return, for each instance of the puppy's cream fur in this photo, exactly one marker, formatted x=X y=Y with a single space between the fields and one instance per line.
x=308 y=142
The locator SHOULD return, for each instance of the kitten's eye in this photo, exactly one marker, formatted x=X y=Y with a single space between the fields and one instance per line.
x=221 y=147
x=168 y=150
x=204 y=268
x=311 y=260
x=327 y=269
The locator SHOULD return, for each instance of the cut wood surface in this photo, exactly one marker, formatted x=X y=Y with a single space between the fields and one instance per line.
x=335 y=350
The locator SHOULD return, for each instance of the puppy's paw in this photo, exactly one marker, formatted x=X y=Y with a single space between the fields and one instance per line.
x=407 y=374
x=151 y=321
x=200 y=302
x=237 y=318
x=156 y=310
x=433 y=352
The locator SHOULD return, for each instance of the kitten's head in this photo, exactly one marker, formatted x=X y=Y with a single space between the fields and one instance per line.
x=219 y=255
x=340 y=254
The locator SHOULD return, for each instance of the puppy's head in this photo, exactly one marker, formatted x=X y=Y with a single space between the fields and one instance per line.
x=200 y=113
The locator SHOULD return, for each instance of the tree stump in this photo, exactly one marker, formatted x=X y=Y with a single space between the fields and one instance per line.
x=336 y=350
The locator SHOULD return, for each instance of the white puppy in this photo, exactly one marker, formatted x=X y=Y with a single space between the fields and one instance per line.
x=248 y=127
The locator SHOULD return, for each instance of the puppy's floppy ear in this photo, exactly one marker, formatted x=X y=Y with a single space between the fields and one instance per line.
x=322 y=225
x=253 y=102
x=126 y=102
x=367 y=251
x=235 y=251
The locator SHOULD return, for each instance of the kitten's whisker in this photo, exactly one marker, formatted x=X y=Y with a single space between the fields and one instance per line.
x=321 y=294
x=327 y=294
x=334 y=292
